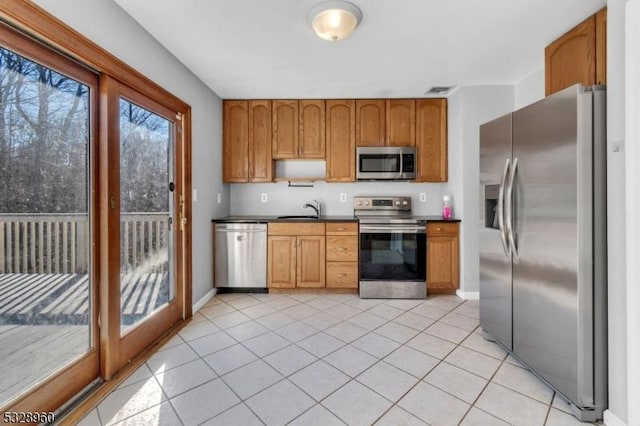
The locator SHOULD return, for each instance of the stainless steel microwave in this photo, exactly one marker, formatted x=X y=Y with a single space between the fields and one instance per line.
x=385 y=163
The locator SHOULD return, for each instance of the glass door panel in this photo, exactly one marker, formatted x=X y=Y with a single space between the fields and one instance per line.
x=46 y=288
x=146 y=206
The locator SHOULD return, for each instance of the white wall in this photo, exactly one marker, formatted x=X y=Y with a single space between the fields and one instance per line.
x=632 y=83
x=618 y=403
x=530 y=89
x=118 y=33
x=479 y=105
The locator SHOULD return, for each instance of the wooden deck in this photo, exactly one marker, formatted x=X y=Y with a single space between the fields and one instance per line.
x=63 y=299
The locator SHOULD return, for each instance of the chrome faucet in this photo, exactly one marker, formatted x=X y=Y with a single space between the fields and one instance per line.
x=317 y=207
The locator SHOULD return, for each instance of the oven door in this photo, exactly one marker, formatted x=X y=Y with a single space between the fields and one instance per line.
x=393 y=261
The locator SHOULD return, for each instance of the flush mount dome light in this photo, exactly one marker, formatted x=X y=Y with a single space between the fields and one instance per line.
x=334 y=21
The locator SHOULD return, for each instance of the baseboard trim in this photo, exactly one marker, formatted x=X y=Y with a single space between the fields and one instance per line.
x=203 y=300
x=468 y=295
x=611 y=419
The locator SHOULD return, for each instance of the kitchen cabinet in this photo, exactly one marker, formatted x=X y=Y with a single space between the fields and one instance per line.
x=401 y=122
x=431 y=140
x=235 y=161
x=443 y=258
x=388 y=122
x=247 y=142
x=260 y=159
x=340 y=142
x=578 y=56
x=296 y=255
x=312 y=129
x=370 y=122
x=342 y=255
x=285 y=129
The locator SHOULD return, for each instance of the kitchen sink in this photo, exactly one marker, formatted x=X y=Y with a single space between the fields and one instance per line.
x=298 y=217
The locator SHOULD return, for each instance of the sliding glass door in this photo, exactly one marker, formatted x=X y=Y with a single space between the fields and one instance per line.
x=145 y=205
x=48 y=322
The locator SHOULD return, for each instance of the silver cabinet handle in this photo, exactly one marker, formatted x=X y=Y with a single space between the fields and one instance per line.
x=500 y=212
x=509 y=209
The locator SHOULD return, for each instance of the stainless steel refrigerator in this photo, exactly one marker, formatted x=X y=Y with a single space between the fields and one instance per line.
x=543 y=242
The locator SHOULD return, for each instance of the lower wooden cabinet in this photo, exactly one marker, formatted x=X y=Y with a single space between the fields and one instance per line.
x=296 y=255
x=443 y=258
x=342 y=255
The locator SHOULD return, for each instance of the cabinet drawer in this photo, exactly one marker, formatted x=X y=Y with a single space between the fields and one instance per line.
x=342 y=228
x=295 y=228
x=342 y=248
x=442 y=228
x=342 y=274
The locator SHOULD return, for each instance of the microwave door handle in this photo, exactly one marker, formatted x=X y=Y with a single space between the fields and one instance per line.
x=401 y=162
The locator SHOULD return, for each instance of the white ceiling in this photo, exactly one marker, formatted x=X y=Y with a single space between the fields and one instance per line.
x=266 y=49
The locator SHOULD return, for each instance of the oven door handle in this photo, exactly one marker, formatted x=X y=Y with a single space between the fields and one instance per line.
x=392 y=229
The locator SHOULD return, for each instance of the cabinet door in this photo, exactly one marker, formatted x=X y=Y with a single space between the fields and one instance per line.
x=601 y=46
x=431 y=140
x=571 y=59
x=260 y=159
x=442 y=263
x=285 y=129
x=341 y=141
x=281 y=261
x=401 y=122
x=311 y=261
x=235 y=142
x=370 y=122
x=312 y=129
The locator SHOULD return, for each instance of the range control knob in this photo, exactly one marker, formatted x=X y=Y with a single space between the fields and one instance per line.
x=397 y=202
x=359 y=202
x=366 y=203
x=405 y=203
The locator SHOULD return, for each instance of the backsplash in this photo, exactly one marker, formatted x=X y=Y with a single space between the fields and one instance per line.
x=282 y=199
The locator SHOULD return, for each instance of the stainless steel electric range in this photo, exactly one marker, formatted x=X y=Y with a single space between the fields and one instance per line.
x=393 y=248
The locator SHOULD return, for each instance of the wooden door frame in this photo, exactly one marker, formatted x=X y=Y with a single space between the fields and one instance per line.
x=38 y=24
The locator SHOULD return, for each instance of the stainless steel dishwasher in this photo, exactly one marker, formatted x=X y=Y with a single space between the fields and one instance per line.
x=241 y=257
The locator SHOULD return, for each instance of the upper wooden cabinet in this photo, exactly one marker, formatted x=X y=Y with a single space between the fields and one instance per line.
x=260 y=159
x=285 y=129
x=370 y=122
x=247 y=142
x=235 y=161
x=431 y=140
x=312 y=129
x=388 y=122
x=401 y=122
x=341 y=141
x=579 y=56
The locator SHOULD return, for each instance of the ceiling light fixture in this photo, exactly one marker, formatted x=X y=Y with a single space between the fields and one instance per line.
x=334 y=21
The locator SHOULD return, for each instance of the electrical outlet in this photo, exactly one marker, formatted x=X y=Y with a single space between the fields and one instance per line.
x=343 y=197
x=219 y=198
x=194 y=195
x=263 y=197
x=423 y=197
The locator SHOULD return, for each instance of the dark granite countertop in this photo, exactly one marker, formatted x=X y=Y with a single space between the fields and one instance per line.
x=267 y=219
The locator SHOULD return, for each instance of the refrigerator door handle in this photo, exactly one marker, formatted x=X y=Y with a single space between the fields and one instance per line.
x=500 y=212
x=509 y=209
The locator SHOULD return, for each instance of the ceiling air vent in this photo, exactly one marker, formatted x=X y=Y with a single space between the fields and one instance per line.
x=438 y=90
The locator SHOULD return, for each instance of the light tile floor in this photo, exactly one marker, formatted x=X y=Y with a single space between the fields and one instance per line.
x=308 y=359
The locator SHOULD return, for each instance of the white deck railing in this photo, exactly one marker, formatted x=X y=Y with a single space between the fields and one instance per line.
x=58 y=243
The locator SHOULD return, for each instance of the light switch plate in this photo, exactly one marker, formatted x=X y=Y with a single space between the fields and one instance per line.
x=219 y=198
x=263 y=197
x=343 y=197
x=423 y=197
x=194 y=195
